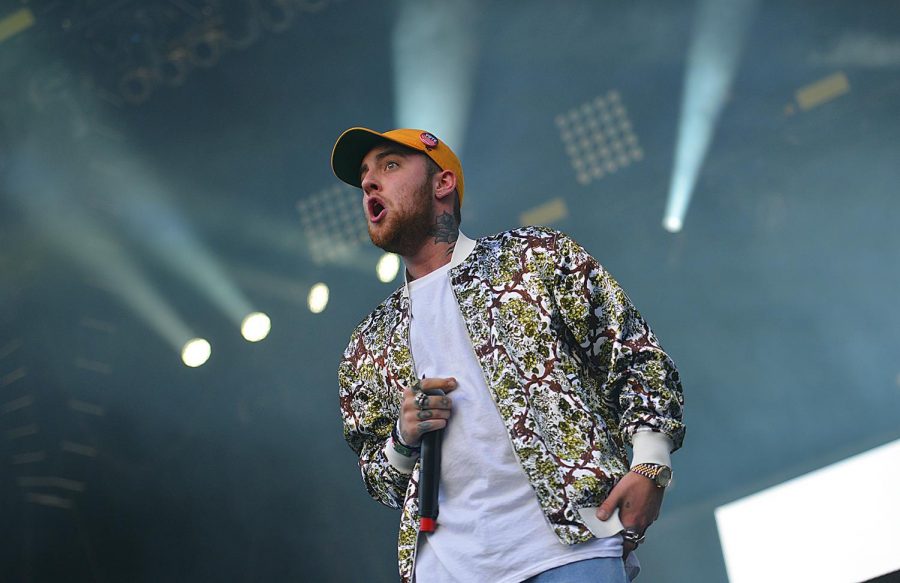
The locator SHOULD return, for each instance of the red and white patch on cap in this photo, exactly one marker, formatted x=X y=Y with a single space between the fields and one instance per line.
x=429 y=140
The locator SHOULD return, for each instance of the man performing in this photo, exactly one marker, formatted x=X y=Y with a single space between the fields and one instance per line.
x=548 y=373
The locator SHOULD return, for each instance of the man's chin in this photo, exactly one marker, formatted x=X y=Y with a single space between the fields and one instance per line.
x=394 y=246
x=385 y=239
x=379 y=235
x=394 y=241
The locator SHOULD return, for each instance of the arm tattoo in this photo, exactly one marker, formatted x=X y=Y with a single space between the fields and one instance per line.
x=445 y=229
x=426 y=414
x=425 y=426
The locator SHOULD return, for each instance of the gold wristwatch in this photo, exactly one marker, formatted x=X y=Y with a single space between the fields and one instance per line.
x=660 y=474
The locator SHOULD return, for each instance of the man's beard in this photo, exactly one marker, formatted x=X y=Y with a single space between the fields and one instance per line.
x=405 y=230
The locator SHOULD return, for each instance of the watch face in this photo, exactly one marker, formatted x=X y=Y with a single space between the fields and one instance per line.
x=664 y=477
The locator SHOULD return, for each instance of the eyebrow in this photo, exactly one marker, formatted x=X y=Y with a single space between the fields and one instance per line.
x=389 y=151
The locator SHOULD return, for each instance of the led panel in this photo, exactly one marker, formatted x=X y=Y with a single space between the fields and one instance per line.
x=598 y=137
x=333 y=222
x=838 y=524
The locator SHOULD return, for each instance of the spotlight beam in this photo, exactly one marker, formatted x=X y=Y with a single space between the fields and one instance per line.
x=435 y=49
x=155 y=222
x=41 y=195
x=711 y=65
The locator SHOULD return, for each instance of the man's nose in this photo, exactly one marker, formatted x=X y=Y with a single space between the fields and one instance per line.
x=369 y=184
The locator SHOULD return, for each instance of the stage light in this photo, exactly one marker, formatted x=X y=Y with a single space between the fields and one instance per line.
x=388 y=267
x=16 y=23
x=196 y=352
x=334 y=224
x=672 y=224
x=255 y=327
x=550 y=212
x=275 y=15
x=823 y=91
x=174 y=70
x=318 y=298
x=137 y=85
x=87 y=408
x=598 y=137
x=852 y=504
x=204 y=50
x=16 y=404
x=711 y=65
x=435 y=48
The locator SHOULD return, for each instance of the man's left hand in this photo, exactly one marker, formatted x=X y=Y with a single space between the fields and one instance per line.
x=638 y=499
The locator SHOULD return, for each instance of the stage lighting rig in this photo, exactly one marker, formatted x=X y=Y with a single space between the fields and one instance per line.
x=126 y=50
x=333 y=223
x=598 y=137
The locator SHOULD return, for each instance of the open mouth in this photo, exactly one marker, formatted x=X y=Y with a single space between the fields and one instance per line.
x=376 y=210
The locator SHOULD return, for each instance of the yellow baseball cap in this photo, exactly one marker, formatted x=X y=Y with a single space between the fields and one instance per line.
x=355 y=143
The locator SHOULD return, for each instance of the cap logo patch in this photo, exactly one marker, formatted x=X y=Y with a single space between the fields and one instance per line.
x=429 y=140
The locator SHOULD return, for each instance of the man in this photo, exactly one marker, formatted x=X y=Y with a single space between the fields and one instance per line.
x=547 y=371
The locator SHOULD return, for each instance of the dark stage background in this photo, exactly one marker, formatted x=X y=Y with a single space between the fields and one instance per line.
x=164 y=170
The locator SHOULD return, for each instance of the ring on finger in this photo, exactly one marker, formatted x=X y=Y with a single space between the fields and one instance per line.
x=633 y=536
x=421 y=401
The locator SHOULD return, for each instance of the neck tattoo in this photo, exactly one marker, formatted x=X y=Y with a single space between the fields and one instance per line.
x=445 y=230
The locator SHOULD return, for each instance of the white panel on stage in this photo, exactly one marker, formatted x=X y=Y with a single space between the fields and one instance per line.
x=838 y=524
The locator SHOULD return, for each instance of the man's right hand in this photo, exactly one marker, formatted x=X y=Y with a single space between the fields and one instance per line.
x=416 y=420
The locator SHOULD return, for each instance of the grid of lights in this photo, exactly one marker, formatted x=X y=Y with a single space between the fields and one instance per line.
x=598 y=137
x=333 y=223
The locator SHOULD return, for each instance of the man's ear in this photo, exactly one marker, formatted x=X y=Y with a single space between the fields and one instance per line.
x=444 y=184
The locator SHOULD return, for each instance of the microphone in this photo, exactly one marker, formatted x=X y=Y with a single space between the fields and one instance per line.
x=430 y=476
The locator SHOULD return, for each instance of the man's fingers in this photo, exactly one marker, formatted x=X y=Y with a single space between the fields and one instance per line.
x=609 y=505
x=445 y=384
x=426 y=414
x=413 y=430
x=431 y=425
x=439 y=403
x=421 y=413
x=433 y=398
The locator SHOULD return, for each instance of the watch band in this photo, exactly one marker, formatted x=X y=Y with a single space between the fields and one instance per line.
x=660 y=474
x=402 y=448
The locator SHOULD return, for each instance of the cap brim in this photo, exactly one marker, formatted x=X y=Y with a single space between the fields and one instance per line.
x=349 y=151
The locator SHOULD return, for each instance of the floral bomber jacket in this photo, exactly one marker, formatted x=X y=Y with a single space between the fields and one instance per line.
x=575 y=372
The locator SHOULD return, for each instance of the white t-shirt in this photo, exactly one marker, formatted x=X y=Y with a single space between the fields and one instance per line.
x=490 y=525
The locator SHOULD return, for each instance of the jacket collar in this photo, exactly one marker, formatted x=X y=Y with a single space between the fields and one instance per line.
x=464 y=248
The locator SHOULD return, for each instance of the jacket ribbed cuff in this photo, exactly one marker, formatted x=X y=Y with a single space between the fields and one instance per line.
x=402 y=463
x=651 y=447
